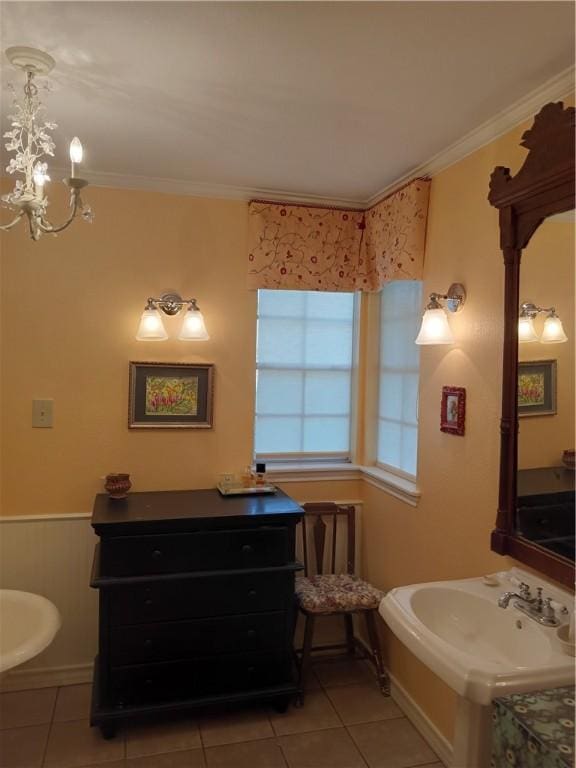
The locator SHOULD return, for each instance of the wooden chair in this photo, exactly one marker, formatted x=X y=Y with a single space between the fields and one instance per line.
x=323 y=592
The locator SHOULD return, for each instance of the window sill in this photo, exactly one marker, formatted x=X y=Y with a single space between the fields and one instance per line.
x=316 y=472
x=399 y=487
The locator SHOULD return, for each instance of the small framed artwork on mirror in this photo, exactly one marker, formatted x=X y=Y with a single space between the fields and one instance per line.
x=537 y=388
x=453 y=410
x=170 y=395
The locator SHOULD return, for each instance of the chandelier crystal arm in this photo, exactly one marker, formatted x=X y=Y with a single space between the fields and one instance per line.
x=33 y=228
x=45 y=225
x=6 y=227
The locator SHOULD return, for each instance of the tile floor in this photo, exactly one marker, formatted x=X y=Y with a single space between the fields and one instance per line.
x=345 y=723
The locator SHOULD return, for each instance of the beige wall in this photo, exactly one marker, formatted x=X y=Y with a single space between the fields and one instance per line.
x=448 y=534
x=547 y=279
x=69 y=310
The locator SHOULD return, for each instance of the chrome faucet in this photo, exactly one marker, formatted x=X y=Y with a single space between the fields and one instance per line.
x=504 y=599
x=534 y=607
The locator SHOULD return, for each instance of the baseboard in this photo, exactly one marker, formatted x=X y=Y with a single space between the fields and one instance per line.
x=419 y=719
x=422 y=722
x=46 y=677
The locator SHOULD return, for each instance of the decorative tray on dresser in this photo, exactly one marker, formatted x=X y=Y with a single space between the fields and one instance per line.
x=196 y=602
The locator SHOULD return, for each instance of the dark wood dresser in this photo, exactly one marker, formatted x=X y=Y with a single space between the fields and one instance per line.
x=196 y=602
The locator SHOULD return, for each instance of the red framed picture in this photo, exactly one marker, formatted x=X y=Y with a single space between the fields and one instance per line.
x=453 y=410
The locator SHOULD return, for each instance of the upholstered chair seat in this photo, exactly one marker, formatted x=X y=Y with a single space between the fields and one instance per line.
x=331 y=593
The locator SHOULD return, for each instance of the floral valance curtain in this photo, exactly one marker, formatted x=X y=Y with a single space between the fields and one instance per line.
x=299 y=247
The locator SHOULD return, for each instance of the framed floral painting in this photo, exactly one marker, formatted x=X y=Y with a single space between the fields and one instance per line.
x=170 y=395
x=537 y=388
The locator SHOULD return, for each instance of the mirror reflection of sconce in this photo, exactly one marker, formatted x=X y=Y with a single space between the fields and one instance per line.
x=435 y=328
x=553 y=331
x=151 y=326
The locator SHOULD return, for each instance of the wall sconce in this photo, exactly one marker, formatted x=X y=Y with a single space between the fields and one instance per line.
x=435 y=328
x=553 y=331
x=151 y=327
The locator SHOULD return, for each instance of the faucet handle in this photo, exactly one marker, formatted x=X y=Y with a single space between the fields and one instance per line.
x=549 y=618
x=525 y=591
x=559 y=608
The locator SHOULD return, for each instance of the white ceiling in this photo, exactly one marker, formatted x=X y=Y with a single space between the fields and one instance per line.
x=336 y=100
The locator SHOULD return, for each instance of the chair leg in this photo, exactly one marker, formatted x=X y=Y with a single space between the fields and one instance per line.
x=349 y=634
x=383 y=681
x=306 y=654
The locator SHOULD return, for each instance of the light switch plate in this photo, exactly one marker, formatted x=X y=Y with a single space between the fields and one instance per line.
x=42 y=413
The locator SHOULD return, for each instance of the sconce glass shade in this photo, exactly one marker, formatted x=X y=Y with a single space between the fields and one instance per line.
x=526 y=331
x=193 y=327
x=151 y=327
x=553 y=332
x=435 y=328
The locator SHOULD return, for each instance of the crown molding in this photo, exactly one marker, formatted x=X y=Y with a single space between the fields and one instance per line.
x=557 y=87
x=205 y=189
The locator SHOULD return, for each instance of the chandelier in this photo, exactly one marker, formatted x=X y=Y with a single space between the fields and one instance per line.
x=30 y=140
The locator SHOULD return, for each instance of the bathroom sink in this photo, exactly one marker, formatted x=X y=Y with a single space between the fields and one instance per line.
x=480 y=650
x=28 y=624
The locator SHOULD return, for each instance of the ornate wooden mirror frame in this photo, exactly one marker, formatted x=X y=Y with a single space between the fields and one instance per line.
x=543 y=186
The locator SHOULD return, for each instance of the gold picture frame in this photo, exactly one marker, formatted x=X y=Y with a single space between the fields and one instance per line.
x=171 y=395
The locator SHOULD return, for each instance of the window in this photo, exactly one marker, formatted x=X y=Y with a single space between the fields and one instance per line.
x=400 y=317
x=304 y=371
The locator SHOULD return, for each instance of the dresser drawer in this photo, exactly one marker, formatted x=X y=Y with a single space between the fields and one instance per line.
x=143 y=643
x=205 y=596
x=203 y=676
x=259 y=547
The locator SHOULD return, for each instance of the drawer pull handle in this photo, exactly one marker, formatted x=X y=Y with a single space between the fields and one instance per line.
x=247 y=549
x=156 y=554
x=251 y=633
x=252 y=593
x=148 y=681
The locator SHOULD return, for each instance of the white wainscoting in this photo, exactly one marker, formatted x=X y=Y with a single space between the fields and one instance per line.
x=52 y=556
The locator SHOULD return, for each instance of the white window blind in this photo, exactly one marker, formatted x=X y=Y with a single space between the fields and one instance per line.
x=304 y=370
x=400 y=317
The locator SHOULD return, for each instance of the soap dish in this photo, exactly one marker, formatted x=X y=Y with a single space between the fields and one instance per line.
x=566 y=645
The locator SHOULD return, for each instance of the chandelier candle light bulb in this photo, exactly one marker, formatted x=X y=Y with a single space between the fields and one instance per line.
x=40 y=178
x=76 y=153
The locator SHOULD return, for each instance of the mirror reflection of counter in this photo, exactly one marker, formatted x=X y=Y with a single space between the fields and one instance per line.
x=545 y=510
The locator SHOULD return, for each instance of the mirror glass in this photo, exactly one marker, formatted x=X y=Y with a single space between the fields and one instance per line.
x=546 y=394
